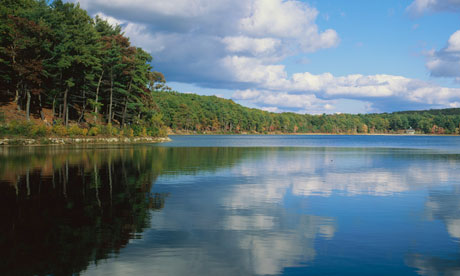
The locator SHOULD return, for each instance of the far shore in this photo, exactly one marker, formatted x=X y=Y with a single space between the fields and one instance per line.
x=311 y=134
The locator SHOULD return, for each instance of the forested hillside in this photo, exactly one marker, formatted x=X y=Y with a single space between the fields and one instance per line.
x=55 y=56
x=190 y=112
x=70 y=74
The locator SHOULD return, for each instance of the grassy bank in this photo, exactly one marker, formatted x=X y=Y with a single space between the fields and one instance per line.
x=23 y=132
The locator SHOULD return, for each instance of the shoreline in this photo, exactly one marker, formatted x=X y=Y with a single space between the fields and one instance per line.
x=315 y=134
x=44 y=141
x=80 y=140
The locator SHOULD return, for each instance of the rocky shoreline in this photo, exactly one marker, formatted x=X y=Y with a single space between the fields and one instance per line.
x=81 y=140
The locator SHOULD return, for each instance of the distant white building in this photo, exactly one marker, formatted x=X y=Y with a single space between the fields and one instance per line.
x=410 y=130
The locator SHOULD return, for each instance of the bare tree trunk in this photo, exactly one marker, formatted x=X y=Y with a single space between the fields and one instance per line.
x=67 y=116
x=66 y=108
x=111 y=98
x=84 y=107
x=97 y=95
x=28 y=105
x=54 y=106
x=16 y=98
x=42 y=115
x=125 y=109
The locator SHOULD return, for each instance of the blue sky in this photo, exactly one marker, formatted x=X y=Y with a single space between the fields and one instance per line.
x=312 y=57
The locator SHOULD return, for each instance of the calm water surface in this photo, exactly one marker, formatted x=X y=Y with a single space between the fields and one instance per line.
x=234 y=205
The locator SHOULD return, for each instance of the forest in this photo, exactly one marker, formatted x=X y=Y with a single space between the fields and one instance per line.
x=207 y=114
x=70 y=74
x=55 y=56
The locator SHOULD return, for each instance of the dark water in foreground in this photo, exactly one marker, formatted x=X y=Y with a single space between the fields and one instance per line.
x=234 y=205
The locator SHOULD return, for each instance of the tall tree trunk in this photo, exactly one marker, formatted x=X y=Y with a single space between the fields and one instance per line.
x=66 y=108
x=54 y=108
x=28 y=105
x=125 y=109
x=111 y=97
x=97 y=95
x=16 y=99
x=42 y=115
x=82 y=115
x=67 y=116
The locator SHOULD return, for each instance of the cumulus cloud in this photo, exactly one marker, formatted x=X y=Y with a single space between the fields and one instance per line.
x=289 y=19
x=242 y=44
x=446 y=61
x=253 y=46
x=193 y=41
x=282 y=101
x=419 y=7
x=306 y=91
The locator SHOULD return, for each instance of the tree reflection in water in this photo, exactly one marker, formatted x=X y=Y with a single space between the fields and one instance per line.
x=63 y=210
x=66 y=208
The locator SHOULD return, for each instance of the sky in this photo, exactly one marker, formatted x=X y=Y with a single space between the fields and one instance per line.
x=318 y=56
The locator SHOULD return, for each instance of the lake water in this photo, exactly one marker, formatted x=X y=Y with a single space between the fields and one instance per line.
x=234 y=205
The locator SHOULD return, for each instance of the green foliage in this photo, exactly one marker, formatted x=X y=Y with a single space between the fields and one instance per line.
x=203 y=114
x=56 y=56
x=59 y=130
x=25 y=129
x=94 y=131
x=75 y=130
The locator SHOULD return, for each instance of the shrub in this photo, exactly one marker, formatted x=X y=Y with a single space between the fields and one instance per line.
x=115 y=131
x=94 y=131
x=107 y=129
x=136 y=130
x=3 y=130
x=38 y=131
x=19 y=128
x=59 y=130
x=75 y=130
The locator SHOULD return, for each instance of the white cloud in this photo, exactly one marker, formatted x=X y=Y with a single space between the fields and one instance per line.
x=241 y=44
x=255 y=46
x=446 y=61
x=112 y=21
x=282 y=101
x=288 y=19
x=453 y=44
x=304 y=91
x=192 y=41
x=419 y=7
